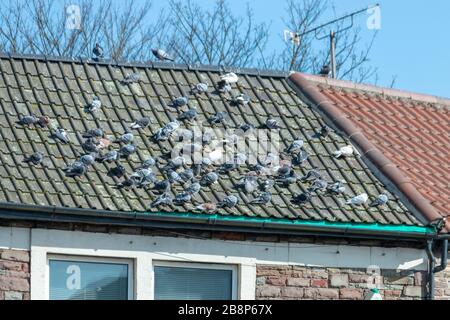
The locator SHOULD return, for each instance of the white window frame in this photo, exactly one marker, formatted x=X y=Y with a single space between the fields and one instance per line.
x=196 y=265
x=93 y=259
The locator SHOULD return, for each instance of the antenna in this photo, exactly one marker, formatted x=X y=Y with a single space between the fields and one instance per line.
x=295 y=37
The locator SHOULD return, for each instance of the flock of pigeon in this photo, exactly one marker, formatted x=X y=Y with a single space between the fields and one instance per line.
x=259 y=179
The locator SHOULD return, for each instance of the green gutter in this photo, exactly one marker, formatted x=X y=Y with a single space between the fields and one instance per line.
x=373 y=227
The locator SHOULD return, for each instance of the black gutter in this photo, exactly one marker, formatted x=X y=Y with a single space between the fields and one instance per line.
x=432 y=269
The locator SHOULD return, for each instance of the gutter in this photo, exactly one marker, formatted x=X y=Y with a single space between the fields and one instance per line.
x=216 y=222
x=403 y=184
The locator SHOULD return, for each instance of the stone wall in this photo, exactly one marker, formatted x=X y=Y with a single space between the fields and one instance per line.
x=292 y=282
x=14 y=275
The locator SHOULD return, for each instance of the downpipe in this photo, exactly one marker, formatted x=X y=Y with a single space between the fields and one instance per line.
x=432 y=268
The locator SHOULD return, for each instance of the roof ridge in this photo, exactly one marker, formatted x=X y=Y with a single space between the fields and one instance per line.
x=427 y=98
x=304 y=87
x=148 y=64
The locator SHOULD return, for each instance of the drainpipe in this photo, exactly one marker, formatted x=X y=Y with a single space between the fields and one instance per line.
x=432 y=269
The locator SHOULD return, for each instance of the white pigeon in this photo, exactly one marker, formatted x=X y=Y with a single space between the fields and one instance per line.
x=358 y=200
x=343 y=152
x=229 y=78
x=62 y=135
x=216 y=155
x=95 y=105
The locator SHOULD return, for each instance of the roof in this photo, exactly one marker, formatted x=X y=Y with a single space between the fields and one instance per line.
x=412 y=132
x=59 y=88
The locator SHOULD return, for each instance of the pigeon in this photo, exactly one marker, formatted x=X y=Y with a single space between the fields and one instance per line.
x=143 y=177
x=172 y=126
x=141 y=123
x=438 y=224
x=36 y=158
x=165 y=132
x=28 y=120
x=125 y=138
x=207 y=138
x=358 y=200
x=198 y=167
x=312 y=174
x=173 y=176
x=248 y=183
x=185 y=135
x=182 y=198
x=219 y=117
x=87 y=159
x=127 y=184
x=343 y=152
x=162 y=186
x=287 y=180
x=228 y=78
x=161 y=55
x=325 y=71
x=267 y=184
x=318 y=185
x=98 y=52
x=295 y=146
x=103 y=143
x=188 y=115
x=194 y=188
x=94 y=106
x=262 y=198
x=200 y=88
x=301 y=198
x=131 y=78
x=284 y=171
x=179 y=102
x=117 y=172
x=127 y=150
x=209 y=179
x=208 y=207
x=43 y=121
x=109 y=157
x=62 y=135
x=381 y=200
x=246 y=129
x=148 y=163
x=163 y=199
x=325 y=131
x=187 y=175
x=90 y=145
x=174 y=164
x=242 y=99
x=76 y=169
x=224 y=87
x=93 y=133
x=272 y=124
x=336 y=188
x=300 y=158
x=228 y=202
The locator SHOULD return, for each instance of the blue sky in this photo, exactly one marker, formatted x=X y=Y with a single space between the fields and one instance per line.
x=412 y=44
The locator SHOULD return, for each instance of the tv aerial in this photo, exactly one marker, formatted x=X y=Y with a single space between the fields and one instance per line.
x=295 y=37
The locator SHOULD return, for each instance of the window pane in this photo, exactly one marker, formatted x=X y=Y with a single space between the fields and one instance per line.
x=192 y=284
x=76 y=280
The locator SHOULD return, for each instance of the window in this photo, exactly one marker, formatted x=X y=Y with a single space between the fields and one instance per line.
x=183 y=281
x=89 y=279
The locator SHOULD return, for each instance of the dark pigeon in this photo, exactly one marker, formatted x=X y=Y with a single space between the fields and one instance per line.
x=262 y=198
x=141 y=123
x=117 y=172
x=36 y=158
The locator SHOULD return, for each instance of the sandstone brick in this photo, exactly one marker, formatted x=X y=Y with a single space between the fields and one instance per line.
x=13 y=295
x=11 y=265
x=298 y=282
x=441 y=283
x=268 y=291
x=276 y=281
x=14 y=284
x=26 y=296
x=15 y=255
x=15 y=274
x=399 y=280
x=339 y=280
x=319 y=283
x=292 y=292
x=2 y=295
x=360 y=278
x=321 y=293
x=391 y=294
x=351 y=293
x=413 y=291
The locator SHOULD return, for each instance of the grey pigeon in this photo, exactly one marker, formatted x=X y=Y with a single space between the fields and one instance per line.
x=300 y=158
x=284 y=171
x=161 y=54
x=143 y=177
x=162 y=186
x=163 y=199
x=242 y=99
x=117 y=172
x=219 y=117
x=381 y=200
x=127 y=150
x=224 y=87
x=287 y=180
x=126 y=138
x=173 y=176
x=336 y=188
x=312 y=174
x=262 y=198
x=93 y=133
x=187 y=175
x=87 y=159
x=272 y=124
x=228 y=202
x=179 y=102
x=200 y=88
x=109 y=157
x=207 y=138
x=267 y=184
x=90 y=145
x=131 y=78
x=141 y=123
x=161 y=135
x=248 y=183
x=97 y=51
x=188 y=115
x=28 y=120
x=62 y=135
x=318 y=185
x=174 y=164
x=295 y=146
x=76 y=169
x=301 y=198
x=36 y=158
x=209 y=179
x=193 y=188
x=127 y=184
x=95 y=105
x=182 y=198
x=148 y=163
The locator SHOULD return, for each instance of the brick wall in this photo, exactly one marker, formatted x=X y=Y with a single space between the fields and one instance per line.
x=14 y=275
x=292 y=282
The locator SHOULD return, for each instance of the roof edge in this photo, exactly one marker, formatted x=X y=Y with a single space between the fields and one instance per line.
x=380 y=90
x=302 y=84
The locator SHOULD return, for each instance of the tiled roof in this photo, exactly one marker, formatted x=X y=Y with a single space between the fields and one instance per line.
x=412 y=130
x=60 y=88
